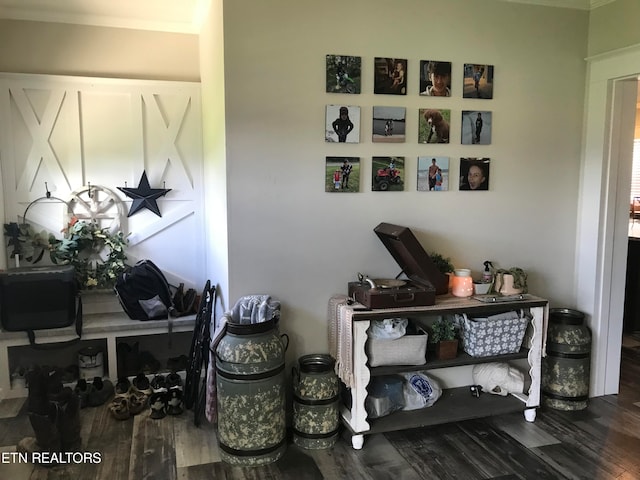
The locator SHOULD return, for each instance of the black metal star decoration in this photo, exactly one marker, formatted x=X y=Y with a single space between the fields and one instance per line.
x=144 y=196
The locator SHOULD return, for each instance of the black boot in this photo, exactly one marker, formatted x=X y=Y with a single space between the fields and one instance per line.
x=37 y=401
x=69 y=422
x=47 y=437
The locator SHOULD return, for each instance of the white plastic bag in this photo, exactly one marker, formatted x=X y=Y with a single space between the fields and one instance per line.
x=388 y=329
x=420 y=391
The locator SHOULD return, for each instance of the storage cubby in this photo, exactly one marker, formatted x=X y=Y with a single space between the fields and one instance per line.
x=102 y=330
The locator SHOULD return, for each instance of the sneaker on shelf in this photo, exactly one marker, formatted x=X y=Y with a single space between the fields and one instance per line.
x=174 y=381
x=176 y=364
x=159 y=384
x=19 y=378
x=123 y=386
x=141 y=383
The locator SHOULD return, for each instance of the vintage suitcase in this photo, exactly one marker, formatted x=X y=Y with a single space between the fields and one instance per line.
x=425 y=280
x=409 y=295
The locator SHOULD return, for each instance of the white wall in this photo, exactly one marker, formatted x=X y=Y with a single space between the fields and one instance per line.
x=289 y=238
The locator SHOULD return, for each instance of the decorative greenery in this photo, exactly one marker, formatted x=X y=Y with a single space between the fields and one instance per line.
x=83 y=246
x=519 y=278
x=442 y=263
x=443 y=329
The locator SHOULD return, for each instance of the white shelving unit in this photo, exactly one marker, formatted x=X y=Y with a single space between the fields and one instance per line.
x=456 y=403
x=105 y=328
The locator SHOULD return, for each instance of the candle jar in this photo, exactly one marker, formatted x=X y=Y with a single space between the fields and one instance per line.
x=462 y=283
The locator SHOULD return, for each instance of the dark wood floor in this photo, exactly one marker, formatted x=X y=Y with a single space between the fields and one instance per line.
x=601 y=442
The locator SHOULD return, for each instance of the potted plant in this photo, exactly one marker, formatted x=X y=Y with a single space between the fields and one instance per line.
x=443 y=334
x=443 y=264
x=509 y=281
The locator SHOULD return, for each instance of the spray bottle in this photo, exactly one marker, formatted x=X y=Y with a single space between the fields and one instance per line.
x=487 y=275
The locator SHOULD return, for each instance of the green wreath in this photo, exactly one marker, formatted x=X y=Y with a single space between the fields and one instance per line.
x=81 y=246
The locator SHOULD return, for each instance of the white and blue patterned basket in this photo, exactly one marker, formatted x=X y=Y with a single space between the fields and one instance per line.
x=494 y=335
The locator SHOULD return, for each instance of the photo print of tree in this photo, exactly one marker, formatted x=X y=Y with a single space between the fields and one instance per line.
x=343 y=74
x=433 y=174
x=390 y=76
x=342 y=174
x=435 y=78
x=342 y=124
x=474 y=173
x=476 y=127
x=387 y=174
x=433 y=125
x=478 y=81
x=389 y=124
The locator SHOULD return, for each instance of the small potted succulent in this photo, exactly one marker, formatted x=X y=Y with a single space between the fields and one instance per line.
x=443 y=334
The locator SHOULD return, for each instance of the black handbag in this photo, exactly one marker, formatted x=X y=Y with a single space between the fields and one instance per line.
x=40 y=298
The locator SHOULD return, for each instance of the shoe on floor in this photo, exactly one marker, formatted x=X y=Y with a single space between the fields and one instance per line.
x=137 y=401
x=119 y=408
x=174 y=402
x=123 y=385
x=82 y=390
x=158 y=404
x=102 y=391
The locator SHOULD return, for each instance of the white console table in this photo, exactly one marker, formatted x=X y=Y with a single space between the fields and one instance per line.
x=350 y=323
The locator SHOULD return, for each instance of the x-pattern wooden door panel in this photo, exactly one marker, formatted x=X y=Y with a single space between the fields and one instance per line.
x=61 y=134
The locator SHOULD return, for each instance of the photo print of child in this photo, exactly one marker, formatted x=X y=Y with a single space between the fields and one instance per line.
x=342 y=124
x=478 y=81
x=474 y=173
x=343 y=74
x=389 y=124
x=390 y=76
x=433 y=174
x=342 y=174
x=476 y=127
x=433 y=125
x=435 y=78
x=387 y=174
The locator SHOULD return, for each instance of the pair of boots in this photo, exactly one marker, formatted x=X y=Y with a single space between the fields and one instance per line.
x=54 y=413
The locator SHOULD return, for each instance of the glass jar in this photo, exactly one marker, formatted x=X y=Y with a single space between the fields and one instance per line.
x=462 y=283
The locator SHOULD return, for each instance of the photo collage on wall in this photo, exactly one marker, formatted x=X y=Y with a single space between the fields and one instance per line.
x=437 y=78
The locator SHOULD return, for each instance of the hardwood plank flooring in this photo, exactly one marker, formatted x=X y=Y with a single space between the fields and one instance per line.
x=601 y=442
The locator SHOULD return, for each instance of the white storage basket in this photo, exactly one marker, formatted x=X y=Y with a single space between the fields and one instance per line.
x=406 y=350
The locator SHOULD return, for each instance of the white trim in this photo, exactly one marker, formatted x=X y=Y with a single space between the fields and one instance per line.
x=602 y=233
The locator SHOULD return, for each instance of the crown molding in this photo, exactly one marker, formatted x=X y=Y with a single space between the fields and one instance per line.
x=180 y=16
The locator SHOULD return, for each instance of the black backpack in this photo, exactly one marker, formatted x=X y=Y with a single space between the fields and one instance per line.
x=144 y=292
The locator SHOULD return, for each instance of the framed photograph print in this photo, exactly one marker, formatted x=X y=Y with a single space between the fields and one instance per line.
x=343 y=74
x=390 y=76
x=478 y=81
x=476 y=127
x=342 y=174
x=474 y=173
x=342 y=124
x=433 y=125
x=435 y=78
x=389 y=124
x=387 y=174
x=433 y=174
